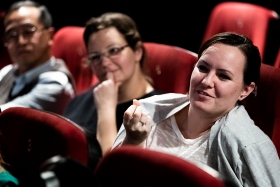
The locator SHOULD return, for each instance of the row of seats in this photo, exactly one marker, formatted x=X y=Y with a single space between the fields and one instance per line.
x=30 y=136
x=258 y=23
x=160 y=63
x=31 y=140
x=243 y=18
x=170 y=68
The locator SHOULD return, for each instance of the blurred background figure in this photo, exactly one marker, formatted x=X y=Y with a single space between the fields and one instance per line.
x=6 y=178
x=59 y=171
x=115 y=54
x=35 y=79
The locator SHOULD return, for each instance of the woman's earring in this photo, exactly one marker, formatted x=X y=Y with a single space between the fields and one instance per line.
x=255 y=91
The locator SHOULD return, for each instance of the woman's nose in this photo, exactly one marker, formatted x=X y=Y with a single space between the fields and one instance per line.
x=208 y=79
x=105 y=60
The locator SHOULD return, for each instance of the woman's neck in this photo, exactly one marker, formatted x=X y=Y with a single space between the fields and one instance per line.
x=137 y=87
x=191 y=124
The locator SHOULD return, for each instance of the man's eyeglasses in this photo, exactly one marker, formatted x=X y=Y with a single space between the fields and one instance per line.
x=95 y=59
x=27 y=31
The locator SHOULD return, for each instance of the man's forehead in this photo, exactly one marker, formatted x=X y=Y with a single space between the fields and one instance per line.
x=22 y=15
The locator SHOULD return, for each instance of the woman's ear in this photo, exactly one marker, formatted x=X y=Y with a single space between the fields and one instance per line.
x=246 y=91
x=138 y=51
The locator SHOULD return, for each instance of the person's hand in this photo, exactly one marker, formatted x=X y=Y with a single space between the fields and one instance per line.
x=137 y=124
x=106 y=100
x=106 y=93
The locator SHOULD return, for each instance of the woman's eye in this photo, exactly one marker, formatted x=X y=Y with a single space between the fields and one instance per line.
x=96 y=57
x=93 y=57
x=114 y=51
x=202 y=68
x=224 y=77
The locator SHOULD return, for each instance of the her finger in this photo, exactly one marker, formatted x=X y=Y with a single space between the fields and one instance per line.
x=110 y=76
x=143 y=118
x=137 y=114
x=136 y=102
x=128 y=114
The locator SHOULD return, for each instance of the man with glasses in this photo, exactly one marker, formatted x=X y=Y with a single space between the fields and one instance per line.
x=36 y=79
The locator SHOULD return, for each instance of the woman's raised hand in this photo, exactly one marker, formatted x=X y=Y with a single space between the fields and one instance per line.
x=137 y=124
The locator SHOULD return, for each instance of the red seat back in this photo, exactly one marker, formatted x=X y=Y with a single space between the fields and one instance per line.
x=264 y=109
x=170 y=67
x=134 y=166
x=277 y=60
x=69 y=46
x=258 y=23
x=28 y=137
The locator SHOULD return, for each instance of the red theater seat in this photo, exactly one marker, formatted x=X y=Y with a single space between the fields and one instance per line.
x=170 y=67
x=28 y=137
x=277 y=60
x=69 y=46
x=264 y=109
x=133 y=166
x=258 y=23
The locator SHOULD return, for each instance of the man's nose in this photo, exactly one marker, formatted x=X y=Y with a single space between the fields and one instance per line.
x=21 y=38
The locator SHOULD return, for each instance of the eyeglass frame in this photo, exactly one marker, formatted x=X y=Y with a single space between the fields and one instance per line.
x=15 y=34
x=100 y=55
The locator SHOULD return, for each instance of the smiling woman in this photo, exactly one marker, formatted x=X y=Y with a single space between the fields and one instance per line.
x=209 y=125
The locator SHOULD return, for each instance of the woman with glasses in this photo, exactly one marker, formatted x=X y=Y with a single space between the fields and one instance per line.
x=36 y=79
x=115 y=54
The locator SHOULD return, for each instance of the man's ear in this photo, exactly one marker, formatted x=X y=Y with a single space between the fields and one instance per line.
x=247 y=90
x=51 y=32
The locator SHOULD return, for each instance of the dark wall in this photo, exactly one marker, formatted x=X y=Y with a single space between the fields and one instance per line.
x=175 y=22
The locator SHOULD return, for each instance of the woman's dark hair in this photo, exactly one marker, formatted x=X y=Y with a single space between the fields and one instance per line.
x=251 y=52
x=123 y=23
x=45 y=17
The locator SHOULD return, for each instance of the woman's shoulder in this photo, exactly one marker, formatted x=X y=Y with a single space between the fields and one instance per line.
x=239 y=127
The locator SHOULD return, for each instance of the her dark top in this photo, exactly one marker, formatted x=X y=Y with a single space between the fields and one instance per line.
x=82 y=110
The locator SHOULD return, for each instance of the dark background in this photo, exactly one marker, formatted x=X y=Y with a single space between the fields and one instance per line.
x=173 y=22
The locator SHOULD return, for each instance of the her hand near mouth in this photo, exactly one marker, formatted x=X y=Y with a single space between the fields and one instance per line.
x=106 y=99
x=106 y=93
